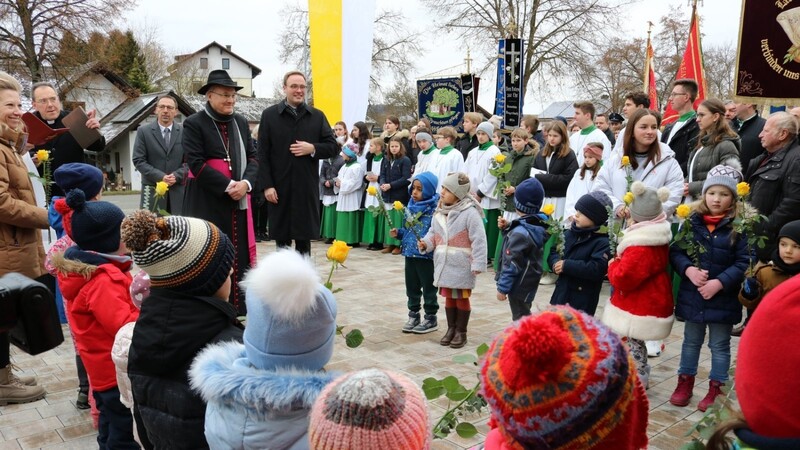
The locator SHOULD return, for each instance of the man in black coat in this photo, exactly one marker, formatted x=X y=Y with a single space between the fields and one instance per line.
x=223 y=167
x=749 y=125
x=293 y=137
x=681 y=135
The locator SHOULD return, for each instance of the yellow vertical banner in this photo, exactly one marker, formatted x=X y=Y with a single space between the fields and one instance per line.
x=325 y=32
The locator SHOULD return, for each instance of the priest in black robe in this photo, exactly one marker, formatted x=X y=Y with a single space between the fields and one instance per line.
x=223 y=170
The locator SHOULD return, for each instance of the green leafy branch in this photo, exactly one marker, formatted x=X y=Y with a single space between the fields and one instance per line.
x=469 y=400
x=685 y=241
x=720 y=411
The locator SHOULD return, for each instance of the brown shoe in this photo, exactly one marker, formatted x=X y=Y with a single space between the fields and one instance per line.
x=387 y=249
x=396 y=251
x=451 y=326
x=460 y=337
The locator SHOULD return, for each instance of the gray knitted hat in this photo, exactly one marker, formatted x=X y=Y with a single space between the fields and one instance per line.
x=486 y=127
x=451 y=182
x=722 y=175
x=647 y=202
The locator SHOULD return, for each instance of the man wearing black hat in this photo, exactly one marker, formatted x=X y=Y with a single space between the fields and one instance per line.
x=223 y=167
x=292 y=138
x=615 y=125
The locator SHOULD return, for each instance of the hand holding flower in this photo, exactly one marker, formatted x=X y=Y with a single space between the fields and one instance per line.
x=501 y=297
x=558 y=267
x=393 y=233
x=422 y=246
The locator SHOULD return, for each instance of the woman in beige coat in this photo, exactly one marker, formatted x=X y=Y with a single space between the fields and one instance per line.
x=21 y=247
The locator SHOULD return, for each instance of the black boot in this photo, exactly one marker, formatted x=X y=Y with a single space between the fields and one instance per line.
x=451 y=326
x=460 y=338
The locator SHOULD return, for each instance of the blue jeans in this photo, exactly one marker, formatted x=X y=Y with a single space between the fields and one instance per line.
x=719 y=342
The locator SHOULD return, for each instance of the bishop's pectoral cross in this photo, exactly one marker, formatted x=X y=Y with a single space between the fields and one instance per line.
x=227 y=159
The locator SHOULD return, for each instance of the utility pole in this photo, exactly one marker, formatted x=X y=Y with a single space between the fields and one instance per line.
x=468 y=60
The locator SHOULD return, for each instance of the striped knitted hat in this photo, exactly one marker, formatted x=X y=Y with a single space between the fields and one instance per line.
x=179 y=253
x=370 y=409
x=562 y=380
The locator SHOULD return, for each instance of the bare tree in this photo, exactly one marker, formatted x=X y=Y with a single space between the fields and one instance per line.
x=401 y=100
x=720 y=64
x=391 y=45
x=559 y=34
x=30 y=31
x=669 y=44
x=156 y=58
x=613 y=72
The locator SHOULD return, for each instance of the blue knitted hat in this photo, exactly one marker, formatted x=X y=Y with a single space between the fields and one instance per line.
x=428 y=181
x=291 y=317
x=528 y=196
x=85 y=177
x=95 y=225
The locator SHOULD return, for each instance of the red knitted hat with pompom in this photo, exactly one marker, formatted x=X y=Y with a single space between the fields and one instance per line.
x=562 y=380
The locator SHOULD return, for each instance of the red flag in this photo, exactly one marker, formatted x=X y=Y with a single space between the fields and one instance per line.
x=691 y=67
x=650 y=76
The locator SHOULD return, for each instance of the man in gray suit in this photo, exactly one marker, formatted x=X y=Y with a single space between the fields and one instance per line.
x=158 y=156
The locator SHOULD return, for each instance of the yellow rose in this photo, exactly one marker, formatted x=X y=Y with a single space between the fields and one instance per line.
x=42 y=155
x=626 y=161
x=338 y=251
x=742 y=189
x=161 y=188
x=397 y=205
x=372 y=191
x=500 y=158
x=548 y=209
x=683 y=211
x=628 y=198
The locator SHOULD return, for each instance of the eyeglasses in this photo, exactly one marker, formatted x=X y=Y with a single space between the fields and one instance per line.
x=227 y=96
x=167 y=107
x=47 y=101
x=675 y=94
x=297 y=86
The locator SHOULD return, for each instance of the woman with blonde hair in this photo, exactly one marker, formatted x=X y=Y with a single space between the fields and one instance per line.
x=21 y=248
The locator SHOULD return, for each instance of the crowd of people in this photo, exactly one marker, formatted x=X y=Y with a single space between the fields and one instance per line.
x=165 y=362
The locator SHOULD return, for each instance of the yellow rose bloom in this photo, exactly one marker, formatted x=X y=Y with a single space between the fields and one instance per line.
x=372 y=191
x=548 y=209
x=161 y=188
x=683 y=211
x=42 y=155
x=397 y=205
x=742 y=189
x=338 y=251
x=500 y=158
x=628 y=198
x=626 y=161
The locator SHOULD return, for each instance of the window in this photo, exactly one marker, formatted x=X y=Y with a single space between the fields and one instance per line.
x=226 y=63
x=204 y=63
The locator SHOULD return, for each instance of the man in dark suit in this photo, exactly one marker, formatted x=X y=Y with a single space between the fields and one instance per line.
x=681 y=135
x=749 y=125
x=158 y=156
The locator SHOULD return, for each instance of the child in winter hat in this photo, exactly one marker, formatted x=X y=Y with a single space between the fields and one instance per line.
x=260 y=393
x=370 y=409
x=560 y=379
x=189 y=262
x=520 y=268
x=641 y=305
x=766 y=386
x=458 y=242
x=584 y=263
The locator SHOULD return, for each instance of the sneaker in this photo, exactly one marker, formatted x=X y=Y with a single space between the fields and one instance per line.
x=548 y=279
x=737 y=331
x=413 y=321
x=82 y=402
x=654 y=348
x=428 y=325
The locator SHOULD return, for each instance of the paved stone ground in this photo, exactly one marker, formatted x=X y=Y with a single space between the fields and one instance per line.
x=373 y=300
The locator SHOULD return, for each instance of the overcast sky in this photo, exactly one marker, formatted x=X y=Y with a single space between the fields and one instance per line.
x=252 y=28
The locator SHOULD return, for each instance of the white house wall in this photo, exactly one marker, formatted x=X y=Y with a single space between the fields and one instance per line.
x=97 y=93
x=239 y=71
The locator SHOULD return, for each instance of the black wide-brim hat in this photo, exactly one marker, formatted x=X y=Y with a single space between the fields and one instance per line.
x=218 y=77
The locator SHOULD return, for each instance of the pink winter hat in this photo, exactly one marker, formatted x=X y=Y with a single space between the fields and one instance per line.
x=370 y=409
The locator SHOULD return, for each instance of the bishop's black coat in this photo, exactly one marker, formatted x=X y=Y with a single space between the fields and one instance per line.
x=296 y=179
